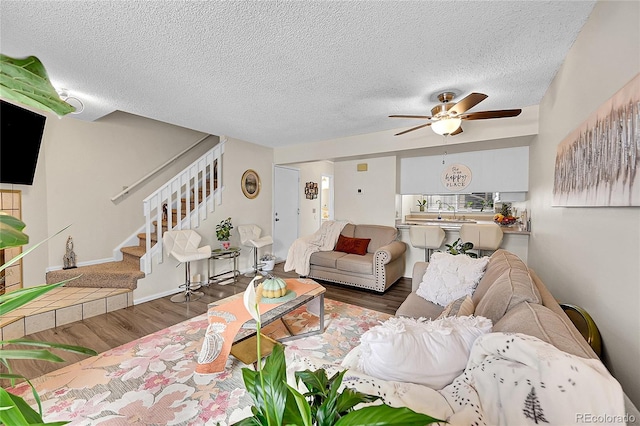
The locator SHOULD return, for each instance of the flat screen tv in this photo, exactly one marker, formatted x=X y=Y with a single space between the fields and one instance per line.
x=20 y=136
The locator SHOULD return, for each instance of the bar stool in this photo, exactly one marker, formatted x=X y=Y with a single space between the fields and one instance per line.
x=426 y=237
x=486 y=236
x=250 y=237
x=183 y=246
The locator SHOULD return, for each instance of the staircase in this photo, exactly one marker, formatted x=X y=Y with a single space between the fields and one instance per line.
x=198 y=189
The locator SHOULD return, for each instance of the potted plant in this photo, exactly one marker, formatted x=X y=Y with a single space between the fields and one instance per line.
x=277 y=403
x=269 y=261
x=223 y=233
x=422 y=204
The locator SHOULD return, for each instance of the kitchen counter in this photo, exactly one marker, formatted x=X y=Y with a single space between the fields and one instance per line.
x=514 y=240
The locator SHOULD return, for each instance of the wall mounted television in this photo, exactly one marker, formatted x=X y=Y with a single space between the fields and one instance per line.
x=20 y=137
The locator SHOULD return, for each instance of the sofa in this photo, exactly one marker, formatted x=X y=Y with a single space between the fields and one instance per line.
x=379 y=268
x=514 y=298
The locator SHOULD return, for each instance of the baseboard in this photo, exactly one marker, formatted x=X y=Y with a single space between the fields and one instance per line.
x=154 y=296
x=87 y=263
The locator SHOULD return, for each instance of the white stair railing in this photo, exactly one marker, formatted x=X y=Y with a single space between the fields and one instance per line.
x=192 y=184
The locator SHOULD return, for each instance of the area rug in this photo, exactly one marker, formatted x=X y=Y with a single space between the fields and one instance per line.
x=152 y=380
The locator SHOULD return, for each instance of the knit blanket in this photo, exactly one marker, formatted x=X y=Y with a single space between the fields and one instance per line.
x=324 y=239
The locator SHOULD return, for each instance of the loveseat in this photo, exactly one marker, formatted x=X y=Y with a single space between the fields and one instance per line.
x=514 y=298
x=377 y=269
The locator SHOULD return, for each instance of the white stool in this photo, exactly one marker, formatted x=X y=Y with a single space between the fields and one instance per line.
x=183 y=246
x=426 y=237
x=250 y=237
x=486 y=236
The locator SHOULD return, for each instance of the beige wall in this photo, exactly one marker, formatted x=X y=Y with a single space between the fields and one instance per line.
x=591 y=256
x=80 y=167
x=376 y=203
x=238 y=157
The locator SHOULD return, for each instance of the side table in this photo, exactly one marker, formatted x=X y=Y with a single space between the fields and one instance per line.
x=221 y=254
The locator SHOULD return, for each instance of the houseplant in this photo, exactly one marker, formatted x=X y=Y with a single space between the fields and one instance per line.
x=13 y=409
x=422 y=204
x=458 y=247
x=223 y=232
x=269 y=261
x=277 y=403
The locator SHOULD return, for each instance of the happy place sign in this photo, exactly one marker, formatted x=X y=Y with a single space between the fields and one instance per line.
x=456 y=177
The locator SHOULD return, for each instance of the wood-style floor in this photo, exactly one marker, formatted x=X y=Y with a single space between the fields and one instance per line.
x=113 y=329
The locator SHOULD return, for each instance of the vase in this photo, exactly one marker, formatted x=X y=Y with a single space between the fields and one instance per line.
x=224 y=245
x=421 y=208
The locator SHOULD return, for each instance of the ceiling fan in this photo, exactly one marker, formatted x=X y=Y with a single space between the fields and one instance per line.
x=447 y=116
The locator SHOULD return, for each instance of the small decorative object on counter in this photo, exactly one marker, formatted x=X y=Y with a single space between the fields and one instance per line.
x=223 y=233
x=69 y=259
x=422 y=204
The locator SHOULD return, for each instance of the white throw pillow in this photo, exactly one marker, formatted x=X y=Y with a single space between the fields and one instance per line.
x=450 y=277
x=430 y=353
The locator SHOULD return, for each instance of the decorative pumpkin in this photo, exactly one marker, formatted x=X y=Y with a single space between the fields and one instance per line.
x=274 y=287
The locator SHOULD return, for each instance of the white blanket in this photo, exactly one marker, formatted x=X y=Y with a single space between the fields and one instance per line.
x=324 y=239
x=510 y=379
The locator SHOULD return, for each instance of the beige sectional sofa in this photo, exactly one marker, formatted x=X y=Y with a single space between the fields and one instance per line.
x=377 y=270
x=516 y=301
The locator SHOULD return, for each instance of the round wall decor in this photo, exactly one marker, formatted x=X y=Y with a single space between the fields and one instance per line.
x=456 y=177
x=250 y=184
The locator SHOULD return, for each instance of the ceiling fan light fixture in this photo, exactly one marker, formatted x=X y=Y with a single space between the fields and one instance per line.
x=447 y=126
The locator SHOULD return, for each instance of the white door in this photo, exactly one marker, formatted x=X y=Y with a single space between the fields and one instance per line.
x=286 y=209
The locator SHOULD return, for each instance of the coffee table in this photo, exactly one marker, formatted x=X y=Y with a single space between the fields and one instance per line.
x=315 y=304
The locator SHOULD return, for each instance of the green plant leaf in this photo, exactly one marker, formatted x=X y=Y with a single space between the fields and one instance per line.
x=39 y=354
x=315 y=381
x=303 y=410
x=11 y=237
x=24 y=253
x=349 y=398
x=250 y=378
x=69 y=348
x=16 y=299
x=25 y=80
x=12 y=412
x=382 y=415
x=275 y=387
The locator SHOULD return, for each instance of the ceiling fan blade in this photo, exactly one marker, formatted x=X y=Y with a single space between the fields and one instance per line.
x=412 y=129
x=410 y=116
x=483 y=115
x=457 y=132
x=468 y=103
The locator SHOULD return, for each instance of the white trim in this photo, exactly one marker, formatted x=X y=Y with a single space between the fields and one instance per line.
x=155 y=296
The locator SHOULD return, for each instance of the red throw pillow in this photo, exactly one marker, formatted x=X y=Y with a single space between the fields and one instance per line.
x=352 y=245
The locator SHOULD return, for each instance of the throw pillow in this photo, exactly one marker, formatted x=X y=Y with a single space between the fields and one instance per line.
x=450 y=277
x=430 y=353
x=461 y=307
x=352 y=245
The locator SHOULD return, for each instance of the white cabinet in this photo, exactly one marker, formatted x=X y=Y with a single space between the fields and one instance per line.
x=495 y=170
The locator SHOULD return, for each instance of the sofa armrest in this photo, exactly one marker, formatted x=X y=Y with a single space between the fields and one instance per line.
x=390 y=252
x=419 y=268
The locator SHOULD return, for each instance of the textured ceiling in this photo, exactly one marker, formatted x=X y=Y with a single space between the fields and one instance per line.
x=281 y=73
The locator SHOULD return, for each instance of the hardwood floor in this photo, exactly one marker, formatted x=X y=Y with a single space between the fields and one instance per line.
x=113 y=329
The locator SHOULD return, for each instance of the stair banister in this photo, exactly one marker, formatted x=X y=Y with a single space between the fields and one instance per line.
x=187 y=184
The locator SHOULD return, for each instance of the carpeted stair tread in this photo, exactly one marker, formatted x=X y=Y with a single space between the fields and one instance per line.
x=137 y=251
x=105 y=275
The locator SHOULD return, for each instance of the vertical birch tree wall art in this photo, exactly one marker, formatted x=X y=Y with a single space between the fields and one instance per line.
x=598 y=163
